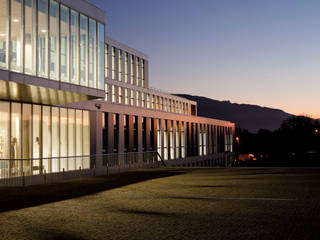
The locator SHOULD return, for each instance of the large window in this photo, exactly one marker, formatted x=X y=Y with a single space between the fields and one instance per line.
x=106 y=61
x=29 y=37
x=101 y=55
x=4 y=34
x=54 y=40
x=113 y=63
x=126 y=68
x=64 y=41
x=138 y=71
x=132 y=69
x=92 y=53
x=74 y=47
x=46 y=39
x=16 y=37
x=83 y=50
x=43 y=38
x=120 y=65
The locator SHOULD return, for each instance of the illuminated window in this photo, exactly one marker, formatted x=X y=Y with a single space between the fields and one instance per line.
x=107 y=92
x=120 y=94
x=132 y=69
x=114 y=93
x=143 y=73
x=126 y=94
x=137 y=98
x=137 y=71
x=106 y=61
x=120 y=65
x=131 y=97
x=113 y=63
x=148 y=100
x=126 y=68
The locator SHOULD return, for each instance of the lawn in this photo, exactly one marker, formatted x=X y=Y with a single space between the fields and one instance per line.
x=234 y=203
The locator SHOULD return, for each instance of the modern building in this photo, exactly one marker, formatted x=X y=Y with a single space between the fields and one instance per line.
x=69 y=93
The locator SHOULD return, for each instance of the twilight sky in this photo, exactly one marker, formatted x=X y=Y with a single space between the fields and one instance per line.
x=246 y=51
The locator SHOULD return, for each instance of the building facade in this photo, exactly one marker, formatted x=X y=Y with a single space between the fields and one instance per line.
x=68 y=92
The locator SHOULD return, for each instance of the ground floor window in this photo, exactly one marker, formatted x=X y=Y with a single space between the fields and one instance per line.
x=35 y=139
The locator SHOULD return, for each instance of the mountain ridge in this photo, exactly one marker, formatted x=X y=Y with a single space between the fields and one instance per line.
x=248 y=116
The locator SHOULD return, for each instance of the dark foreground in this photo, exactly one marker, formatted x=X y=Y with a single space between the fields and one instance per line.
x=239 y=203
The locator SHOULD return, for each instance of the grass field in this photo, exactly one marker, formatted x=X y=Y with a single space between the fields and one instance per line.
x=236 y=203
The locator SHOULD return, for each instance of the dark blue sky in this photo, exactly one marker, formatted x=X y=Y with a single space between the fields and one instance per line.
x=264 y=52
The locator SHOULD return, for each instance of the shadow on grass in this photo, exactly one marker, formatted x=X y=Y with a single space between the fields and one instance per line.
x=13 y=198
x=147 y=213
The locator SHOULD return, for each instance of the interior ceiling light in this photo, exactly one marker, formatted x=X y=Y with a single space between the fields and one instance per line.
x=15 y=20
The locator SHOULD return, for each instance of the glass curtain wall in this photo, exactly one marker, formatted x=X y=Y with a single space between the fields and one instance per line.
x=74 y=48
x=64 y=42
x=92 y=53
x=83 y=50
x=30 y=36
x=16 y=35
x=46 y=39
x=45 y=134
x=43 y=38
x=4 y=33
x=54 y=40
x=101 y=50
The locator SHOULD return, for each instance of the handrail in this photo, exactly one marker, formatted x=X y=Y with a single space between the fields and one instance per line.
x=163 y=162
x=81 y=156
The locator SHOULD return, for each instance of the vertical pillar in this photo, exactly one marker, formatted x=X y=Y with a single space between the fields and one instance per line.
x=121 y=133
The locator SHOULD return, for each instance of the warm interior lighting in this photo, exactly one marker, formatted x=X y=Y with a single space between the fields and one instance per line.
x=2 y=34
x=15 y=20
x=43 y=31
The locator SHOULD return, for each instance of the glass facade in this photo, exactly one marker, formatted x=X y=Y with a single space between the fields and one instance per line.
x=47 y=39
x=44 y=133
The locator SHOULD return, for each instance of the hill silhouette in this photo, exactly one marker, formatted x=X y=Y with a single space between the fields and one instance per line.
x=251 y=117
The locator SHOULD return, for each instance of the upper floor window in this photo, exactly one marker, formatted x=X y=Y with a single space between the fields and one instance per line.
x=107 y=61
x=113 y=63
x=120 y=65
x=132 y=70
x=137 y=71
x=126 y=68
x=107 y=92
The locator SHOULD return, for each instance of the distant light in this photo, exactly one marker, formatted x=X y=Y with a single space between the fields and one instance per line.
x=237 y=139
x=43 y=31
x=3 y=34
x=15 y=20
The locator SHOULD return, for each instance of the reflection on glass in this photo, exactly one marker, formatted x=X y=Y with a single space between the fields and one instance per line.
x=71 y=139
x=74 y=47
x=26 y=140
x=64 y=44
x=16 y=42
x=30 y=37
x=15 y=141
x=92 y=53
x=79 y=133
x=54 y=40
x=46 y=138
x=83 y=50
x=36 y=138
x=55 y=140
x=64 y=138
x=42 y=38
x=4 y=34
x=86 y=139
x=101 y=53
x=4 y=138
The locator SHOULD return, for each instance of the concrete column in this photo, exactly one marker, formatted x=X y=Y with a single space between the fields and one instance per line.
x=131 y=137
x=121 y=133
x=139 y=134
x=96 y=136
x=148 y=129
x=110 y=133
x=174 y=128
